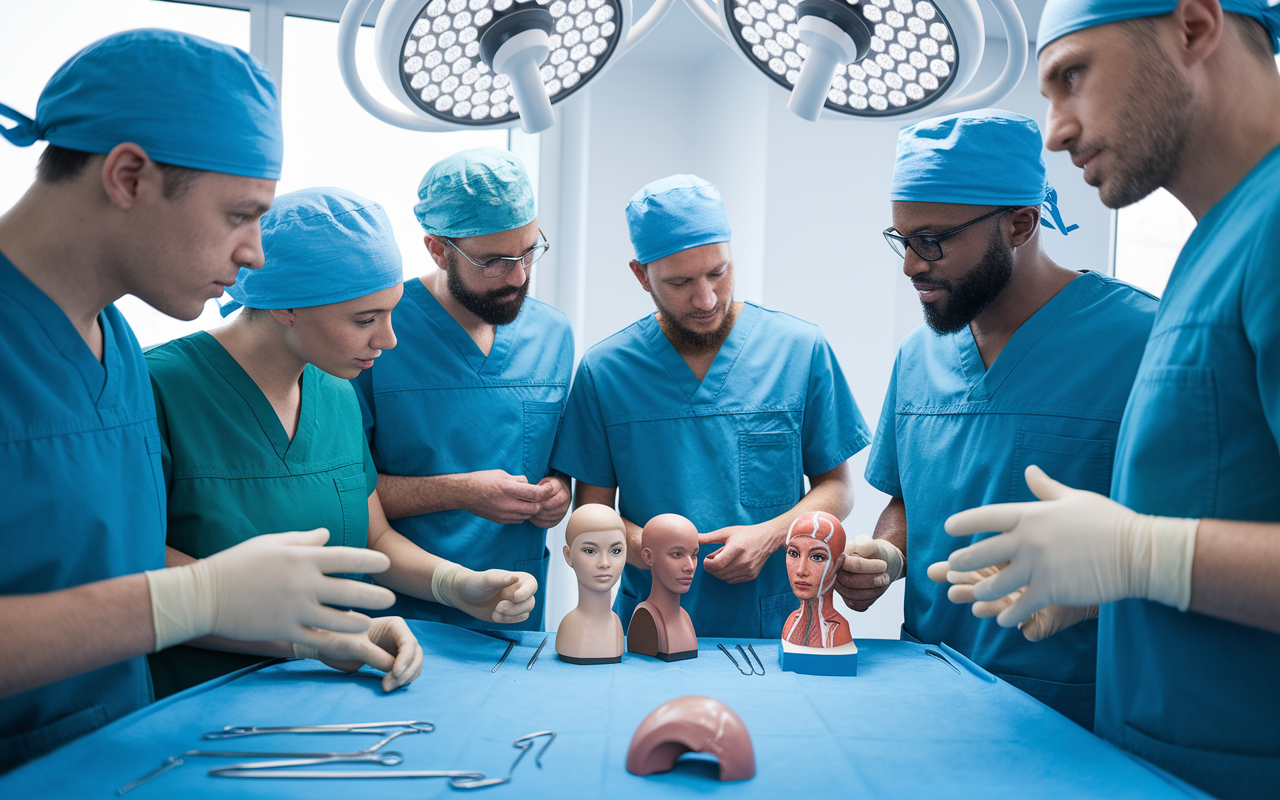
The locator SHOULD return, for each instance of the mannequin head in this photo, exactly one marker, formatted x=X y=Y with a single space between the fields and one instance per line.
x=595 y=546
x=815 y=553
x=670 y=549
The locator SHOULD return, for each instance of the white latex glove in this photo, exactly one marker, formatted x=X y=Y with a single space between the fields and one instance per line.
x=493 y=595
x=269 y=587
x=865 y=547
x=388 y=645
x=1039 y=626
x=1076 y=548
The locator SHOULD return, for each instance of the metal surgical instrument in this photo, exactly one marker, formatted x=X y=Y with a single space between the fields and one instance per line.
x=942 y=658
x=524 y=743
x=725 y=650
x=748 y=659
x=537 y=652
x=408 y=726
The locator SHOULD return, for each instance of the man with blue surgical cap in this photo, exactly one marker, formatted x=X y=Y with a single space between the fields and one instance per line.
x=461 y=416
x=1185 y=95
x=712 y=409
x=165 y=207
x=993 y=382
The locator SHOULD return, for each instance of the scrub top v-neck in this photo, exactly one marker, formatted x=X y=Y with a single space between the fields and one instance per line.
x=955 y=435
x=232 y=472
x=731 y=449
x=437 y=405
x=83 y=495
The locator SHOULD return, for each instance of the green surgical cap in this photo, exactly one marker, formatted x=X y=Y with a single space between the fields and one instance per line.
x=475 y=192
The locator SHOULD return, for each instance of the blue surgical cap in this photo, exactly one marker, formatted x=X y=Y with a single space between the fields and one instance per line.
x=675 y=214
x=322 y=246
x=187 y=101
x=475 y=192
x=1061 y=17
x=982 y=158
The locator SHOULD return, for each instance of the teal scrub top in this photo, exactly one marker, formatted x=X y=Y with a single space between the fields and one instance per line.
x=732 y=449
x=83 y=497
x=232 y=472
x=955 y=435
x=1194 y=694
x=437 y=405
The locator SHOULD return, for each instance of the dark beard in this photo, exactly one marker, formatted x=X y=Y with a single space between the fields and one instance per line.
x=486 y=305
x=683 y=337
x=1157 y=130
x=968 y=297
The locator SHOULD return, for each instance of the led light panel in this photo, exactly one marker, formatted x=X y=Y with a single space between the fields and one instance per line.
x=444 y=76
x=912 y=60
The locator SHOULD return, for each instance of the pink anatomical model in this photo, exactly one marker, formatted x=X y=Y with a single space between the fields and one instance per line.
x=815 y=552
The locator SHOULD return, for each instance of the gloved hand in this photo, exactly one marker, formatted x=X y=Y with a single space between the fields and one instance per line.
x=388 y=645
x=495 y=595
x=269 y=587
x=1076 y=548
x=870 y=565
x=1039 y=626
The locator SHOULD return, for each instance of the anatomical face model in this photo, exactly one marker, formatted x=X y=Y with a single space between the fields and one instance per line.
x=659 y=626
x=596 y=549
x=815 y=552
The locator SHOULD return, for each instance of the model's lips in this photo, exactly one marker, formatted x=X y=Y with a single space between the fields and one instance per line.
x=803 y=585
x=604 y=576
x=686 y=580
x=364 y=363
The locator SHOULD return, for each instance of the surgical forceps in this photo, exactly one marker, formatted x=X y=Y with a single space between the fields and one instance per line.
x=524 y=743
x=746 y=658
x=233 y=731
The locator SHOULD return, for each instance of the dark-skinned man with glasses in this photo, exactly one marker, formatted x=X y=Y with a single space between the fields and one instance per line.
x=1021 y=361
x=462 y=420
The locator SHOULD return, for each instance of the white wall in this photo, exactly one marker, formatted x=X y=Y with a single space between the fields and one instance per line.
x=807 y=203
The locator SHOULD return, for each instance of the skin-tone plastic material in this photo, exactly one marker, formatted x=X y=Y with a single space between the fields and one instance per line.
x=596 y=548
x=659 y=626
x=692 y=723
x=815 y=553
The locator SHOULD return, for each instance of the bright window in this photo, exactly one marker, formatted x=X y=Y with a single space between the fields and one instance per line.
x=1149 y=235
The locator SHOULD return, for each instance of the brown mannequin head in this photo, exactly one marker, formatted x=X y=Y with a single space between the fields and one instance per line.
x=815 y=553
x=596 y=546
x=670 y=548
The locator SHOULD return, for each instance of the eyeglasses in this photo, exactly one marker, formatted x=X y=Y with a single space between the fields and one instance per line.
x=497 y=267
x=929 y=245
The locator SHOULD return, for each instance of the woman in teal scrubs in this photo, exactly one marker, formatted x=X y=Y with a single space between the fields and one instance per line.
x=261 y=431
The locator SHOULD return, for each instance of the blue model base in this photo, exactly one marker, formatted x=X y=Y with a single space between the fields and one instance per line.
x=832 y=661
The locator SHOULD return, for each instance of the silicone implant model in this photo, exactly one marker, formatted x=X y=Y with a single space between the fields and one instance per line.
x=815 y=551
x=659 y=626
x=596 y=549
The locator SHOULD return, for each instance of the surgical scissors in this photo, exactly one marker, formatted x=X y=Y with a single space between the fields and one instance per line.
x=525 y=743
x=408 y=726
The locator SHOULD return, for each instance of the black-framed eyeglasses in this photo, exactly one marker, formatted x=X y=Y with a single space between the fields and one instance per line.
x=501 y=265
x=929 y=245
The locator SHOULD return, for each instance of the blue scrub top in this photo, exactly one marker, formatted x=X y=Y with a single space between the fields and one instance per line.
x=436 y=405
x=1194 y=694
x=955 y=435
x=731 y=450
x=83 y=495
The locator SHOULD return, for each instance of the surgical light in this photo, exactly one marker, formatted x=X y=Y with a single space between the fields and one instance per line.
x=870 y=58
x=458 y=64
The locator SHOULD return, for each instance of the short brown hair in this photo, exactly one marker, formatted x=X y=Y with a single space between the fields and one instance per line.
x=58 y=164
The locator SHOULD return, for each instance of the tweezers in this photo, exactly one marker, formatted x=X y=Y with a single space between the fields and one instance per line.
x=511 y=643
x=729 y=655
x=748 y=660
x=537 y=652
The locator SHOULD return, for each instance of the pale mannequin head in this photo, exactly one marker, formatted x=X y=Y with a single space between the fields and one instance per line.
x=340 y=338
x=596 y=546
x=815 y=553
x=670 y=549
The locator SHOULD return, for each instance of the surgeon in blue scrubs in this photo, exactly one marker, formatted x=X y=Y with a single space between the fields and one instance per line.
x=994 y=381
x=461 y=416
x=165 y=207
x=1186 y=562
x=713 y=409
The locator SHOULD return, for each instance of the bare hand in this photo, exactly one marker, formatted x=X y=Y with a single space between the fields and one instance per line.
x=1042 y=624
x=503 y=498
x=864 y=576
x=555 y=506
x=746 y=548
x=387 y=645
x=497 y=595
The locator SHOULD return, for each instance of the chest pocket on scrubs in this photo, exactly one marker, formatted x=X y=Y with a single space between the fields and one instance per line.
x=1078 y=463
x=768 y=464
x=541 y=423
x=353 y=495
x=1181 y=429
